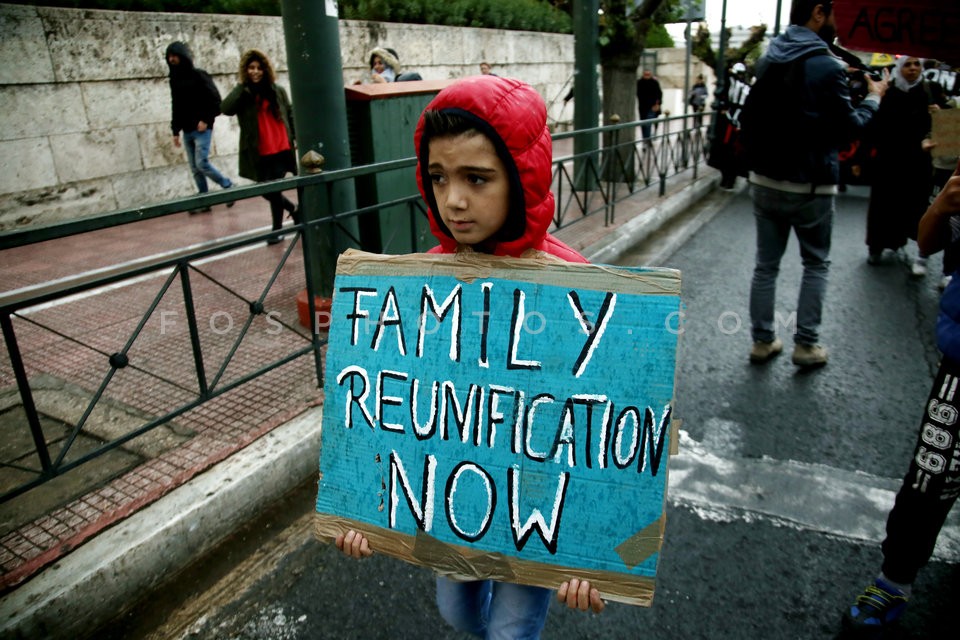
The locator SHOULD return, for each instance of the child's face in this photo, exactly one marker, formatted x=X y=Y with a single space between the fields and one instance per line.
x=470 y=185
x=378 y=65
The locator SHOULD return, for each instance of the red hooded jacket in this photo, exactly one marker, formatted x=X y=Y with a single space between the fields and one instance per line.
x=514 y=117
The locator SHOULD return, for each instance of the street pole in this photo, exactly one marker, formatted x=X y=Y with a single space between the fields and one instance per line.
x=721 y=72
x=586 y=107
x=686 y=90
x=776 y=22
x=311 y=30
x=686 y=69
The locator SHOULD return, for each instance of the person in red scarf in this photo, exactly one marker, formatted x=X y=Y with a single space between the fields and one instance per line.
x=266 y=130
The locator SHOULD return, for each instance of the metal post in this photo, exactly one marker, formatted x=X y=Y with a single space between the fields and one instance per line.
x=776 y=22
x=586 y=108
x=686 y=88
x=311 y=31
x=721 y=72
x=686 y=68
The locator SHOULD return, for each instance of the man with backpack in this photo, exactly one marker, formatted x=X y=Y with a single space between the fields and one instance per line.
x=796 y=118
x=195 y=103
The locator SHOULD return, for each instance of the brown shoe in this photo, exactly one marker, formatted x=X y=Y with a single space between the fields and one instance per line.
x=765 y=351
x=809 y=355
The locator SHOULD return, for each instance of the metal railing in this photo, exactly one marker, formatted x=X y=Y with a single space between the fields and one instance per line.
x=159 y=374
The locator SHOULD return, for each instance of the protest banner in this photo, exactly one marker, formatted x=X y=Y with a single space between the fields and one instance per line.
x=946 y=133
x=504 y=418
x=921 y=28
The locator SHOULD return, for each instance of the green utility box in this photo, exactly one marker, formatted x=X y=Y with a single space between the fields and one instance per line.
x=382 y=119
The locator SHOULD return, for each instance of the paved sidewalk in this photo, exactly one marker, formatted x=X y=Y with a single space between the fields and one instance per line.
x=64 y=346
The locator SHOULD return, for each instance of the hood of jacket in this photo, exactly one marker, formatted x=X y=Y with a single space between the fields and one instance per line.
x=796 y=41
x=183 y=51
x=524 y=146
x=388 y=58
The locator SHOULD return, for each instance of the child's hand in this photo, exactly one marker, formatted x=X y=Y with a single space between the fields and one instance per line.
x=577 y=594
x=354 y=545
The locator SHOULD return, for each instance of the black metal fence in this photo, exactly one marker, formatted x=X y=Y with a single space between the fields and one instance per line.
x=197 y=324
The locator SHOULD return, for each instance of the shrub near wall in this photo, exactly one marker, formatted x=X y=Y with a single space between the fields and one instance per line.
x=524 y=15
x=86 y=99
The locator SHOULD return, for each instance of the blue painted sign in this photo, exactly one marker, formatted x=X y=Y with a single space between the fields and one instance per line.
x=499 y=417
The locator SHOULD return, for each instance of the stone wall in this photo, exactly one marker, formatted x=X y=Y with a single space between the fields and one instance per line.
x=86 y=101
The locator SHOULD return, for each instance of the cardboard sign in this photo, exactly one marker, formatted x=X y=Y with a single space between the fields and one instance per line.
x=921 y=28
x=946 y=133
x=502 y=418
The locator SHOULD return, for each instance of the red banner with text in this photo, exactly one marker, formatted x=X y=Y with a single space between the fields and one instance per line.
x=921 y=28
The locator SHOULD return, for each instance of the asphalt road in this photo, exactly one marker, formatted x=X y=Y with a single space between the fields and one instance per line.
x=776 y=500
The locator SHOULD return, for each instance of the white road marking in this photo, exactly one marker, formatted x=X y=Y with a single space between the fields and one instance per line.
x=809 y=497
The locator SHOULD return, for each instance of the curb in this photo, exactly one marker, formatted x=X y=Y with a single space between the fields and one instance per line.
x=139 y=553
x=631 y=233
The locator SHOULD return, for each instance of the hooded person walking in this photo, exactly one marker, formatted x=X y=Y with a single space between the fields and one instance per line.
x=195 y=103
x=384 y=65
x=266 y=130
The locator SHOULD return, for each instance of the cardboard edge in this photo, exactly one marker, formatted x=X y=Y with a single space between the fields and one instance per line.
x=471 y=266
x=462 y=563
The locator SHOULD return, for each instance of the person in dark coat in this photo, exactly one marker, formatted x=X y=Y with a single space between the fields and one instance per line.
x=727 y=147
x=793 y=159
x=266 y=130
x=649 y=95
x=195 y=103
x=697 y=99
x=902 y=170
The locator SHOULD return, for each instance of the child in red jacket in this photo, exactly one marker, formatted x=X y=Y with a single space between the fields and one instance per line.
x=485 y=169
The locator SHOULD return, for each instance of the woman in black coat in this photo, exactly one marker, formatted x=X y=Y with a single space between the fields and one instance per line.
x=902 y=169
x=266 y=130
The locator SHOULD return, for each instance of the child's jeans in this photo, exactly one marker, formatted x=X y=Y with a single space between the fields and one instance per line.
x=494 y=610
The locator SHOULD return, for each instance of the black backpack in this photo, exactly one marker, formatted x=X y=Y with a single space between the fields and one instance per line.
x=212 y=94
x=773 y=127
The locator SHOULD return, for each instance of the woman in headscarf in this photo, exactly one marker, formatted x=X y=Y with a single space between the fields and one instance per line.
x=902 y=172
x=266 y=130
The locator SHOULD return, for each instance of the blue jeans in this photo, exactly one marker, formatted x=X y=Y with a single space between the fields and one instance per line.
x=493 y=610
x=811 y=218
x=648 y=129
x=197 y=146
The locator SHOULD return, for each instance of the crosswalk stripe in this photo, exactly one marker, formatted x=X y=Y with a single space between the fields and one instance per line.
x=850 y=505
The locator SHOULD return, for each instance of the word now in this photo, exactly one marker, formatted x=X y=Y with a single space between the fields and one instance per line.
x=423 y=508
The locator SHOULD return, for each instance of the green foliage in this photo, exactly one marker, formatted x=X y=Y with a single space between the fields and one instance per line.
x=658 y=38
x=525 y=15
x=627 y=27
x=749 y=51
x=245 y=7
